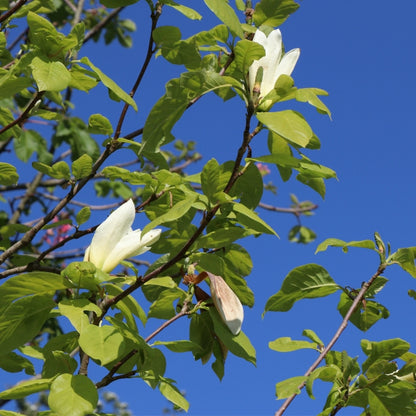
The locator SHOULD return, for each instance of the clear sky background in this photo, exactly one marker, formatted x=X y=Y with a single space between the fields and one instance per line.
x=363 y=54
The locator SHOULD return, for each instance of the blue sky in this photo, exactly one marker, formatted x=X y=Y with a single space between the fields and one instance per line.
x=362 y=53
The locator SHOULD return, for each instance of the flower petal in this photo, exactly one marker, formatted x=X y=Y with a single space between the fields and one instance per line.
x=130 y=245
x=227 y=303
x=273 y=64
x=110 y=232
x=288 y=63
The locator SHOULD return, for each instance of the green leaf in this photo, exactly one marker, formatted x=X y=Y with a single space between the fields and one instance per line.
x=210 y=179
x=110 y=84
x=312 y=336
x=74 y=131
x=102 y=343
x=98 y=124
x=317 y=184
x=180 y=346
x=128 y=305
x=182 y=52
x=11 y=85
x=288 y=124
x=366 y=315
x=303 y=282
x=279 y=146
x=82 y=167
x=227 y=15
x=32 y=283
x=73 y=395
x=59 y=170
x=273 y=12
x=133 y=178
x=13 y=363
x=166 y=34
x=162 y=307
x=248 y=187
x=200 y=330
x=81 y=274
x=29 y=142
x=246 y=52
x=81 y=78
x=58 y=362
x=44 y=37
x=301 y=234
x=25 y=388
x=251 y=220
x=22 y=320
x=334 y=242
x=310 y=95
x=186 y=11
x=221 y=238
x=405 y=258
x=327 y=373
x=286 y=344
x=74 y=310
x=287 y=388
x=50 y=76
x=177 y=211
x=83 y=215
x=8 y=174
x=239 y=344
x=172 y=393
x=389 y=349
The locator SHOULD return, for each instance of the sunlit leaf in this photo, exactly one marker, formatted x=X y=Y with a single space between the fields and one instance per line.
x=303 y=282
x=73 y=395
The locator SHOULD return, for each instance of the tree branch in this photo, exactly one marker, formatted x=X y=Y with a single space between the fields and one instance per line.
x=99 y=26
x=25 y=114
x=109 y=378
x=155 y=17
x=295 y=210
x=14 y=9
x=344 y=323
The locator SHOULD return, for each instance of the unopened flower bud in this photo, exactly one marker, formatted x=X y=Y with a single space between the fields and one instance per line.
x=227 y=303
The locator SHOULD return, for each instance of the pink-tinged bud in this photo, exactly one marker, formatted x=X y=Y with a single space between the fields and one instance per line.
x=227 y=303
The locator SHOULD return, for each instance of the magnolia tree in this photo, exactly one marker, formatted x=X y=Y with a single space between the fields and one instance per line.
x=74 y=296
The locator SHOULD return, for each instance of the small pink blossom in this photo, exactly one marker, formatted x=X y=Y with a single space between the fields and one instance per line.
x=264 y=169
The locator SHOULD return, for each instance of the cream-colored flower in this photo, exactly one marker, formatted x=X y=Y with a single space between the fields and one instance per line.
x=272 y=62
x=227 y=303
x=114 y=240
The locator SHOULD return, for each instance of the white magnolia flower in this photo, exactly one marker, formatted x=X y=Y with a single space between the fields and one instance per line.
x=227 y=303
x=273 y=63
x=114 y=240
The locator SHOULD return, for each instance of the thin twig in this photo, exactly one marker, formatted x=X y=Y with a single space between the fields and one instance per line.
x=185 y=164
x=18 y=39
x=155 y=17
x=78 y=12
x=16 y=7
x=344 y=323
x=99 y=26
x=25 y=113
x=71 y=5
x=29 y=235
x=295 y=210
x=28 y=194
x=109 y=378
